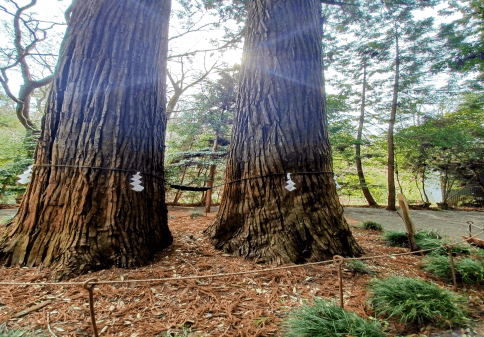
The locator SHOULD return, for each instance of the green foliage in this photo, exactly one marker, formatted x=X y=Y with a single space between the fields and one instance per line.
x=427 y=239
x=468 y=270
x=438 y=266
x=416 y=301
x=428 y=234
x=358 y=266
x=463 y=38
x=396 y=239
x=326 y=319
x=372 y=225
x=430 y=239
x=450 y=144
x=195 y=214
x=15 y=153
x=191 y=144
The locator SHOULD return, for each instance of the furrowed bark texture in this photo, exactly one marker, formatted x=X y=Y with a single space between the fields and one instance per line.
x=280 y=128
x=106 y=109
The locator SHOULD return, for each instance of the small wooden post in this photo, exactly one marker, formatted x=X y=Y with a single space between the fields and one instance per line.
x=340 y=260
x=408 y=221
x=470 y=228
x=451 y=258
x=89 y=285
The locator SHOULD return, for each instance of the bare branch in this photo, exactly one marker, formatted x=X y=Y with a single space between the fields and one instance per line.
x=4 y=82
x=43 y=82
x=226 y=45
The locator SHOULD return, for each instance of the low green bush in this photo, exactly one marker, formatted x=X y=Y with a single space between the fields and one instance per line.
x=428 y=239
x=195 y=214
x=416 y=301
x=438 y=266
x=396 y=239
x=467 y=270
x=326 y=318
x=357 y=266
x=372 y=225
x=428 y=233
x=470 y=270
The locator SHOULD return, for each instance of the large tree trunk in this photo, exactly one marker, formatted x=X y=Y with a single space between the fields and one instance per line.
x=359 y=166
x=391 y=123
x=106 y=109
x=280 y=128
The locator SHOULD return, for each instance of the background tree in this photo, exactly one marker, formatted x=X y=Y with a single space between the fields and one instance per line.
x=463 y=38
x=28 y=49
x=409 y=41
x=280 y=128
x=200 y=135
x=106 y=109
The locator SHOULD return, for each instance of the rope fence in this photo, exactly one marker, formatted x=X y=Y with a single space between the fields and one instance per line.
x=25 y=177
x=339 y=260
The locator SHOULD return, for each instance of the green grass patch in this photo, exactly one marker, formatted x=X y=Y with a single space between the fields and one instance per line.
x=468 y=270
x=326 y=318
x=396 y=239
x=358 y=266
x=415 y=301
x=372 y=225
x=195 y=214
x=428 y=239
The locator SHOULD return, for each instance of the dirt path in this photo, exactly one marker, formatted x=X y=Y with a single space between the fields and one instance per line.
x=449 y=223
x=6 y=214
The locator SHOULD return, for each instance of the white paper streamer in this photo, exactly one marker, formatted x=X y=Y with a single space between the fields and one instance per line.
x=25 y=177
x=136 y=182
x=336 y=182
x=290 y=184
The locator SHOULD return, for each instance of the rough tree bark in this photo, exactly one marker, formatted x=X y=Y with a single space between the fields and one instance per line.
x=106 y=109
x=391 y=123
x=280 y=127
x=359 y=166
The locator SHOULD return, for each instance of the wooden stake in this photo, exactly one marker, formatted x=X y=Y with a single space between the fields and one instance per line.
x=340 y=260
x=88 y=285
x=452 y=267
x=470 y=228
x=408 y=221
x=34 y=308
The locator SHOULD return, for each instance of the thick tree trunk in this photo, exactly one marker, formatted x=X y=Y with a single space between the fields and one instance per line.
x=106 y=109
x=280 y=128
x=391 y=123
x=359 y=166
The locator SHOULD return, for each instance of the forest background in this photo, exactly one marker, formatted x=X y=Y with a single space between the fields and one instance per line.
x=402 y=86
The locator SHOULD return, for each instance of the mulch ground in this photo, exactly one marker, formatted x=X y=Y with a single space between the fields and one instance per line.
x=247 y=305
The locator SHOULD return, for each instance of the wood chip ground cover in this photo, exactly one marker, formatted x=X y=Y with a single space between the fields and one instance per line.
x=248 y=305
